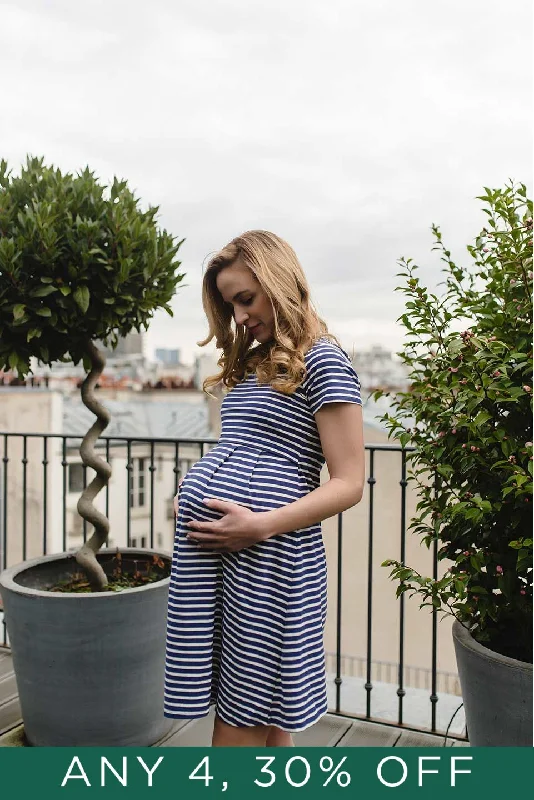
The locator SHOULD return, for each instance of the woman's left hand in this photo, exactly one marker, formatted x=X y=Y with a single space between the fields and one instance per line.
x=238 y=528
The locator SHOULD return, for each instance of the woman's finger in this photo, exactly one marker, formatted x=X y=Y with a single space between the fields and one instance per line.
x=205 y=527
x=208 y=536
x=219 y=505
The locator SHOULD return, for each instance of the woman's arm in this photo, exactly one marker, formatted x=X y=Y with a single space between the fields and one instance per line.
x=340 y=429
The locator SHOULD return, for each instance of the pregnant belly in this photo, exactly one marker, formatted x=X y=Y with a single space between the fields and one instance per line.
x=253 y=477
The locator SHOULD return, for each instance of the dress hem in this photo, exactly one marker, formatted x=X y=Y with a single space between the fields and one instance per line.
x=286 y=729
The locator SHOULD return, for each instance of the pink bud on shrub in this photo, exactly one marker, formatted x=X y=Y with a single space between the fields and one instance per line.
x=522 y=591
x=527 y=388
x=498 y=569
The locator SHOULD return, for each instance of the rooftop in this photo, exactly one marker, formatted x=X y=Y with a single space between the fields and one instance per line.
x=173 y=419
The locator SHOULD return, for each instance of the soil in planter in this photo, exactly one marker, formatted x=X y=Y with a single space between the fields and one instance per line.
x=514 y=642
x=137 y=572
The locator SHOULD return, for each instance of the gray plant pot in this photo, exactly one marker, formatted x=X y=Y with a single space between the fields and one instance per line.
x=497 y=694
x=89 y=667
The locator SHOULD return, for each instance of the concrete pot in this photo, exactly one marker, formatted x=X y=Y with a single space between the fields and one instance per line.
x=89 y=667
x=497 y=694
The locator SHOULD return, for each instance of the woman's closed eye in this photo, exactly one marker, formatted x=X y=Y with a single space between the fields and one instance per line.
x=247 y=302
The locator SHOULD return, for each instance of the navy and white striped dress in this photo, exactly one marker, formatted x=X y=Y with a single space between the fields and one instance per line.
x=245 y=629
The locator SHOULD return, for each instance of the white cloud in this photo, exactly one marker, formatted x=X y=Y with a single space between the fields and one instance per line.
x=348 y=127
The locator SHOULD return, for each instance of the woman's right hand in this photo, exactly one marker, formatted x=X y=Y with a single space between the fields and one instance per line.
x=175 y=499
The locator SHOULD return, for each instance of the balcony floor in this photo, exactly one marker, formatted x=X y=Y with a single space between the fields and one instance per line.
x=331 y=731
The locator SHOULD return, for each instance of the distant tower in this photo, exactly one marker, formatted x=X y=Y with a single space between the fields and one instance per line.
x=168 y=357
x=130 y=345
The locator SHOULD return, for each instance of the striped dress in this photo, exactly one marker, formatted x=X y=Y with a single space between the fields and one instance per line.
x=245 y=629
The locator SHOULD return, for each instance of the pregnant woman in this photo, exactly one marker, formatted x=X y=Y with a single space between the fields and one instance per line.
x=247 y=597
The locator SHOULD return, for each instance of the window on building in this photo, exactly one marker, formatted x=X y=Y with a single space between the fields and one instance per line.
x=75 y=477
x=139 y=541
x=138 y=482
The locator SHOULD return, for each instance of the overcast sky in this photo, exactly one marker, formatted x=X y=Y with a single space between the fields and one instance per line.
x=346 y=127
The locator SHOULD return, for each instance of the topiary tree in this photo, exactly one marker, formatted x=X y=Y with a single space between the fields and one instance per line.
x=80 y=263
x=468 y=413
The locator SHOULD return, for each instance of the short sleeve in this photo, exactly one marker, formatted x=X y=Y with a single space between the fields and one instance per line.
x=330 y=377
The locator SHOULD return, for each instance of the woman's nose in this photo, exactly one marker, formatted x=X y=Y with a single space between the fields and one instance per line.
x=241 y=317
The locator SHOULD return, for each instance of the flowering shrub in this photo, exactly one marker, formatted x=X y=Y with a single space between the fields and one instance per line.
x=468 y=413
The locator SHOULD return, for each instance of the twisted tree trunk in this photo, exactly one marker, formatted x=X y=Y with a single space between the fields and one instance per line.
x=86 y=556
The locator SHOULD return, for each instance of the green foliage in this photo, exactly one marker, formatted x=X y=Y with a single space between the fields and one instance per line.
x=78 y=261
x=468 y=413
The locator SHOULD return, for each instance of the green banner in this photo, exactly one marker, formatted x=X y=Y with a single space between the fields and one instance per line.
x=270 y=773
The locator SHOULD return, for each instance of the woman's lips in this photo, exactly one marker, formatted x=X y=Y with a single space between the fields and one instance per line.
x=255 y=328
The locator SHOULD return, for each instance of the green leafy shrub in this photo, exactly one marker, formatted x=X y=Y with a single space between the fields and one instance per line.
x=468 y=413
x=78 y=261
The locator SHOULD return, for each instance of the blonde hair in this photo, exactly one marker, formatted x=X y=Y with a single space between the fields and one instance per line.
x=297 y=325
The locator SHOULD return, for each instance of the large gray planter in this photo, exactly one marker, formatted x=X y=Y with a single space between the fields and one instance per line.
x=89 y=667
x=497 y=694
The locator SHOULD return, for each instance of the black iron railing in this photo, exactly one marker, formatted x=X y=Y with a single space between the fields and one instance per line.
x=38 y=490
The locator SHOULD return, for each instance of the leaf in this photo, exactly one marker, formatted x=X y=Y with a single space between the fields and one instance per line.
x=43 y=291
x=33 y=333
x=18 y=311
x=481 y=418
x=43 y=312
x=82 y=296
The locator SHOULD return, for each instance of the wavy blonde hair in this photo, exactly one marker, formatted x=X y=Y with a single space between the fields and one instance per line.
x=297 y=325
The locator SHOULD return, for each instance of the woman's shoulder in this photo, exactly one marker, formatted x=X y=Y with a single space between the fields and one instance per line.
x=324 y=349
x=330 y=376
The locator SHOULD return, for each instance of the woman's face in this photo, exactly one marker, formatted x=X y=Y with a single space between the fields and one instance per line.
x=251 y=306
